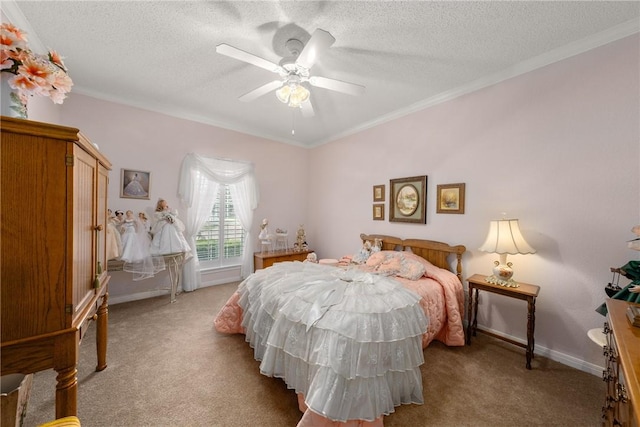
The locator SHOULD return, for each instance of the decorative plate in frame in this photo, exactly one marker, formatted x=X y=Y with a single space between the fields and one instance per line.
x=408 y=199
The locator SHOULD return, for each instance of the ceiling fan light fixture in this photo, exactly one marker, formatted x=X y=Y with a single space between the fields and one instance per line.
x=283 y=94
x=292 y=94
x=294 y=71
x=299 y=95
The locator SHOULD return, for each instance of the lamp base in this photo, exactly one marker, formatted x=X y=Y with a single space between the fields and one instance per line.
x=509 y=283
x=502 y=273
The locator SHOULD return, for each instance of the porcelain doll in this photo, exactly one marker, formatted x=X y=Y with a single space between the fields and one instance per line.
x=135 y=242
x=114 y=241
x=118 y=218
x=301 y=240
x=145 y=222
x=264 y=230
x=264 y=236
x=167 y=232
x=363 y=254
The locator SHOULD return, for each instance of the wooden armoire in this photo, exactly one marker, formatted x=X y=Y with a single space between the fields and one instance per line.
x=53 y=213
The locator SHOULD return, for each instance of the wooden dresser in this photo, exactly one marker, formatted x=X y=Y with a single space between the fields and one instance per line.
x=622 y=373
x=267 y=259
x=53 y=251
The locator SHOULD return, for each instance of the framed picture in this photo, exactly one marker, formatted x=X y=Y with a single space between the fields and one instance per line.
x=408 y=199
x=450 y=198
x=378 y=211
x=378 y=193
x=134 y=184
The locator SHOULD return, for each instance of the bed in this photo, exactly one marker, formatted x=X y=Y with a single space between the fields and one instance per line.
x=349 y=339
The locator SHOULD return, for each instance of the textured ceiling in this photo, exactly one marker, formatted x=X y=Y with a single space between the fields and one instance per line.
x=160 y=55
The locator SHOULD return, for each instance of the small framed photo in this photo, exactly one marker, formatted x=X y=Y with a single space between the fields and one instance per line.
x=378 y=193
x=450 y=198
x=378 y=211
x=408 y=199
x=134 y=184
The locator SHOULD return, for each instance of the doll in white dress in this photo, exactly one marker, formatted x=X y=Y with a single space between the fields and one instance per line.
x=114 y=240
x=145 y=222
x=135 y=243
x=167 y=232
x=363 y=254
x=136 y=249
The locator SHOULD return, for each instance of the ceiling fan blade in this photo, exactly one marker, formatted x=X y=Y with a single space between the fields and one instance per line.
x=307 y=109
x=250 y=58
x=262 y=90
x=319 y=42
x=337 y=85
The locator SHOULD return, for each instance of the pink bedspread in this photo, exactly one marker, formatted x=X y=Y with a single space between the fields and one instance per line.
x=442 y=299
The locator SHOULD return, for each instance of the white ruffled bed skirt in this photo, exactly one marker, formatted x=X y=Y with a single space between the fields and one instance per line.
x=349 y=341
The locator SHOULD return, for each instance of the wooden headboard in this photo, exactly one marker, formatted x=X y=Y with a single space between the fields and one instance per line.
x=434 y=252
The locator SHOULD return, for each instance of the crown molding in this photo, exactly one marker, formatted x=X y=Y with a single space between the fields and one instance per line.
x=610 y=35
x=12 y=12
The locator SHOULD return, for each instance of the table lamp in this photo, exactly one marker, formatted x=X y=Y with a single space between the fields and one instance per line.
x=505 y=238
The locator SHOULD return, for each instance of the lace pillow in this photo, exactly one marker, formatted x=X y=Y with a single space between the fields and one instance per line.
x=412 y=270
x=402 y=264
x=377 y=258
x=430 y=270
x=391 y=266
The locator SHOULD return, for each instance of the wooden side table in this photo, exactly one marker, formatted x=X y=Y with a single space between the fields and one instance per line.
x=525 y=292
x=267 y=259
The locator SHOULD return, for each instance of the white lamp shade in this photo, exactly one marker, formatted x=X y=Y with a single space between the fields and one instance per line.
x=505 y=238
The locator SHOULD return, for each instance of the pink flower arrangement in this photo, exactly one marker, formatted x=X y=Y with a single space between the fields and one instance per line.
x=33 y=74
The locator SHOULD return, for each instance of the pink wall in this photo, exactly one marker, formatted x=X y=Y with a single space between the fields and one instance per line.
x=137 y=139
x=558 y=148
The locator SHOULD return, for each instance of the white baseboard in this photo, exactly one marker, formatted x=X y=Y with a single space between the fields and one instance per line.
x=220 y=281
x=160 y=292
x=140 y=295
x=571 y=361
x=556 y=356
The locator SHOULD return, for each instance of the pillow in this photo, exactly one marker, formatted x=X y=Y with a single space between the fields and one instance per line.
x=411 y=269
x=376 y=258
x=391 y=266
x=430 y=269
x=402 y=264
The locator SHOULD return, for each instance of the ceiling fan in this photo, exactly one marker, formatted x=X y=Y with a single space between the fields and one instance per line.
x=294 y=70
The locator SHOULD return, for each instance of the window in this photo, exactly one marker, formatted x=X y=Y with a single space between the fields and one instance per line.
x=219 y=243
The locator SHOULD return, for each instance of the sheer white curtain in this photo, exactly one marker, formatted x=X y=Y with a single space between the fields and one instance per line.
x=241 y=195
x=200 y=178
x=197 y=214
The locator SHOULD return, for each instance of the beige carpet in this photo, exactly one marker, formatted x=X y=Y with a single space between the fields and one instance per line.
x=167 y=366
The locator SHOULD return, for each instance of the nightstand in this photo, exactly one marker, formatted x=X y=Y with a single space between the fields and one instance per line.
x=267 y=259
x=525 y=292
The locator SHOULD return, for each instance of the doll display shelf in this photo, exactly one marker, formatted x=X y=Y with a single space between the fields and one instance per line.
x=173 y=262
